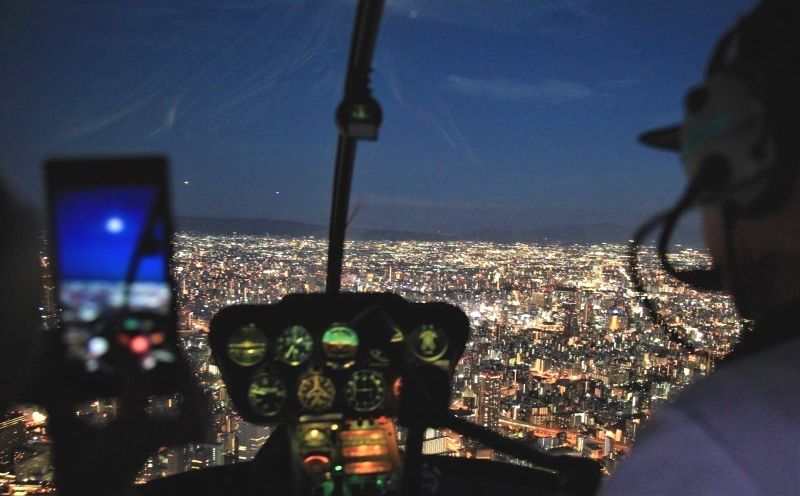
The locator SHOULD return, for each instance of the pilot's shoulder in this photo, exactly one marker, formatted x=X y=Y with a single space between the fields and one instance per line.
x=695 y=445
x=749 y=388
x=677 y=455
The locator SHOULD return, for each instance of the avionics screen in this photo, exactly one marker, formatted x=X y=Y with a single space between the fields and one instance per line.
x=98 y=231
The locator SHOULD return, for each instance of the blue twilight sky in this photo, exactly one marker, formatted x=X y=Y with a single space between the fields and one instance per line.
x=505 y=113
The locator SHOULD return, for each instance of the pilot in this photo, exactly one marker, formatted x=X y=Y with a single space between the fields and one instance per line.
x=737 y=430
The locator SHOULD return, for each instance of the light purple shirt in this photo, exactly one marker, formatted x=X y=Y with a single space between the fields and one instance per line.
x=737 y=431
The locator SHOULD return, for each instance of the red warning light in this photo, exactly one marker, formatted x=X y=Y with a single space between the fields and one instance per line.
x=316 y=464
x=397 y=387
x=139 y=344
x=317 y=460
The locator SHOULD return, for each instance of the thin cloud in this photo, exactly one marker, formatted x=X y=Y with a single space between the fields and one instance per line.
x=104 y=122
x=550 y=91
x=504 y=16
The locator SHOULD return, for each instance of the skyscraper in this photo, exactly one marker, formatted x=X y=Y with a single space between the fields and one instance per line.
x=489 y=399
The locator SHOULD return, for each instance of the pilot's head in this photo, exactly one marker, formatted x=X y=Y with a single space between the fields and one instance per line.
x=19 y=296
x=740 y=145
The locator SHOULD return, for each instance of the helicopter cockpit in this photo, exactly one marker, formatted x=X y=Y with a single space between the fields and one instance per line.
x=337 y=369
x=346 y=384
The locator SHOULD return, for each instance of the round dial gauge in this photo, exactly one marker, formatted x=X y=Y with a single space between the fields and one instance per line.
x=365 y=390
x=294 y=345
x=340 y=344
x=266 y=394
x=316 y=392
x=428 y=343
x=314 y=438
x=247 y=346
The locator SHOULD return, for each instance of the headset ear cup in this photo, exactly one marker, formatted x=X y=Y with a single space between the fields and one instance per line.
x=727 y=122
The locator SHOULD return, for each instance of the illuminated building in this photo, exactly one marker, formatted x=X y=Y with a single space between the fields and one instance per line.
x=470 y=399
x=489 y=399
x=177 y=460
x=615 y=319
x=12 y=437
x=435 y=442
x=206 y=456
x=251 y=438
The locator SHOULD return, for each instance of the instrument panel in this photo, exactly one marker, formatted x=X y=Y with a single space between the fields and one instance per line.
x=314 y=356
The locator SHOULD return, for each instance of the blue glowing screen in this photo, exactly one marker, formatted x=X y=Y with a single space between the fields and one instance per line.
x=99 y=229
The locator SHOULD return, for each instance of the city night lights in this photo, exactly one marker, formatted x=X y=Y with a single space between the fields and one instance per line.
x=562 y=353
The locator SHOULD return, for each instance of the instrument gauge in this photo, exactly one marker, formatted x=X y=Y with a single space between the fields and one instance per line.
x=266 y=394
x=315 y=438
x=365 y=390
x=428 y=343
x=247 y=345
x=294 y=345
x=340 y=345
x=316 y=392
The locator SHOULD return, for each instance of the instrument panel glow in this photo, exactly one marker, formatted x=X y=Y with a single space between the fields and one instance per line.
x=295 y=345
x=365 y=390
x=247 y=346
x=316 y=392
x=266 y=394
x=428 y=343
x=340 y=345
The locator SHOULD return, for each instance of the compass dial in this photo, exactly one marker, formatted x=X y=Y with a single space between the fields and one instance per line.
x=247 y=346
x=365 y=390
x=266 y=394
x=316 y=392
x=295 y=345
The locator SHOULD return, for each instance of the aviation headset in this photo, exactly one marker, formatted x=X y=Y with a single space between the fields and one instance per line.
x=738 y=139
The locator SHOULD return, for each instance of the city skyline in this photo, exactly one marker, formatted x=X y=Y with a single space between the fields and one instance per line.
x=561 y=353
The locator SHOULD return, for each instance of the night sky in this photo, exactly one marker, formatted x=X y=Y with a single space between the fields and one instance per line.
x=505 y=113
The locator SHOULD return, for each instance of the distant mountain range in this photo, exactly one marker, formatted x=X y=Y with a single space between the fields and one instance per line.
x=557 y=234
x=291 y=228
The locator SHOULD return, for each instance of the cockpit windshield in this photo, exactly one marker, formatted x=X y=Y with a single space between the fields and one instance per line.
x=506 y=180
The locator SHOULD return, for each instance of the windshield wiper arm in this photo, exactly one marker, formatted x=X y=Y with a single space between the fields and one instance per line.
x=358 y=116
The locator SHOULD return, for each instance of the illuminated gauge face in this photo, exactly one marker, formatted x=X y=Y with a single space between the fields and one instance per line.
x=247 y=346
x=266 y=394
x=428 y=343
x=340 y=344
x=295 y=345
x=315 y=438
x=365 y=390
x=316 y=392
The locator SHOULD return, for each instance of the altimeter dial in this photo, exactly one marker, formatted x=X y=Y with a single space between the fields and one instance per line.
x=316 y=392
